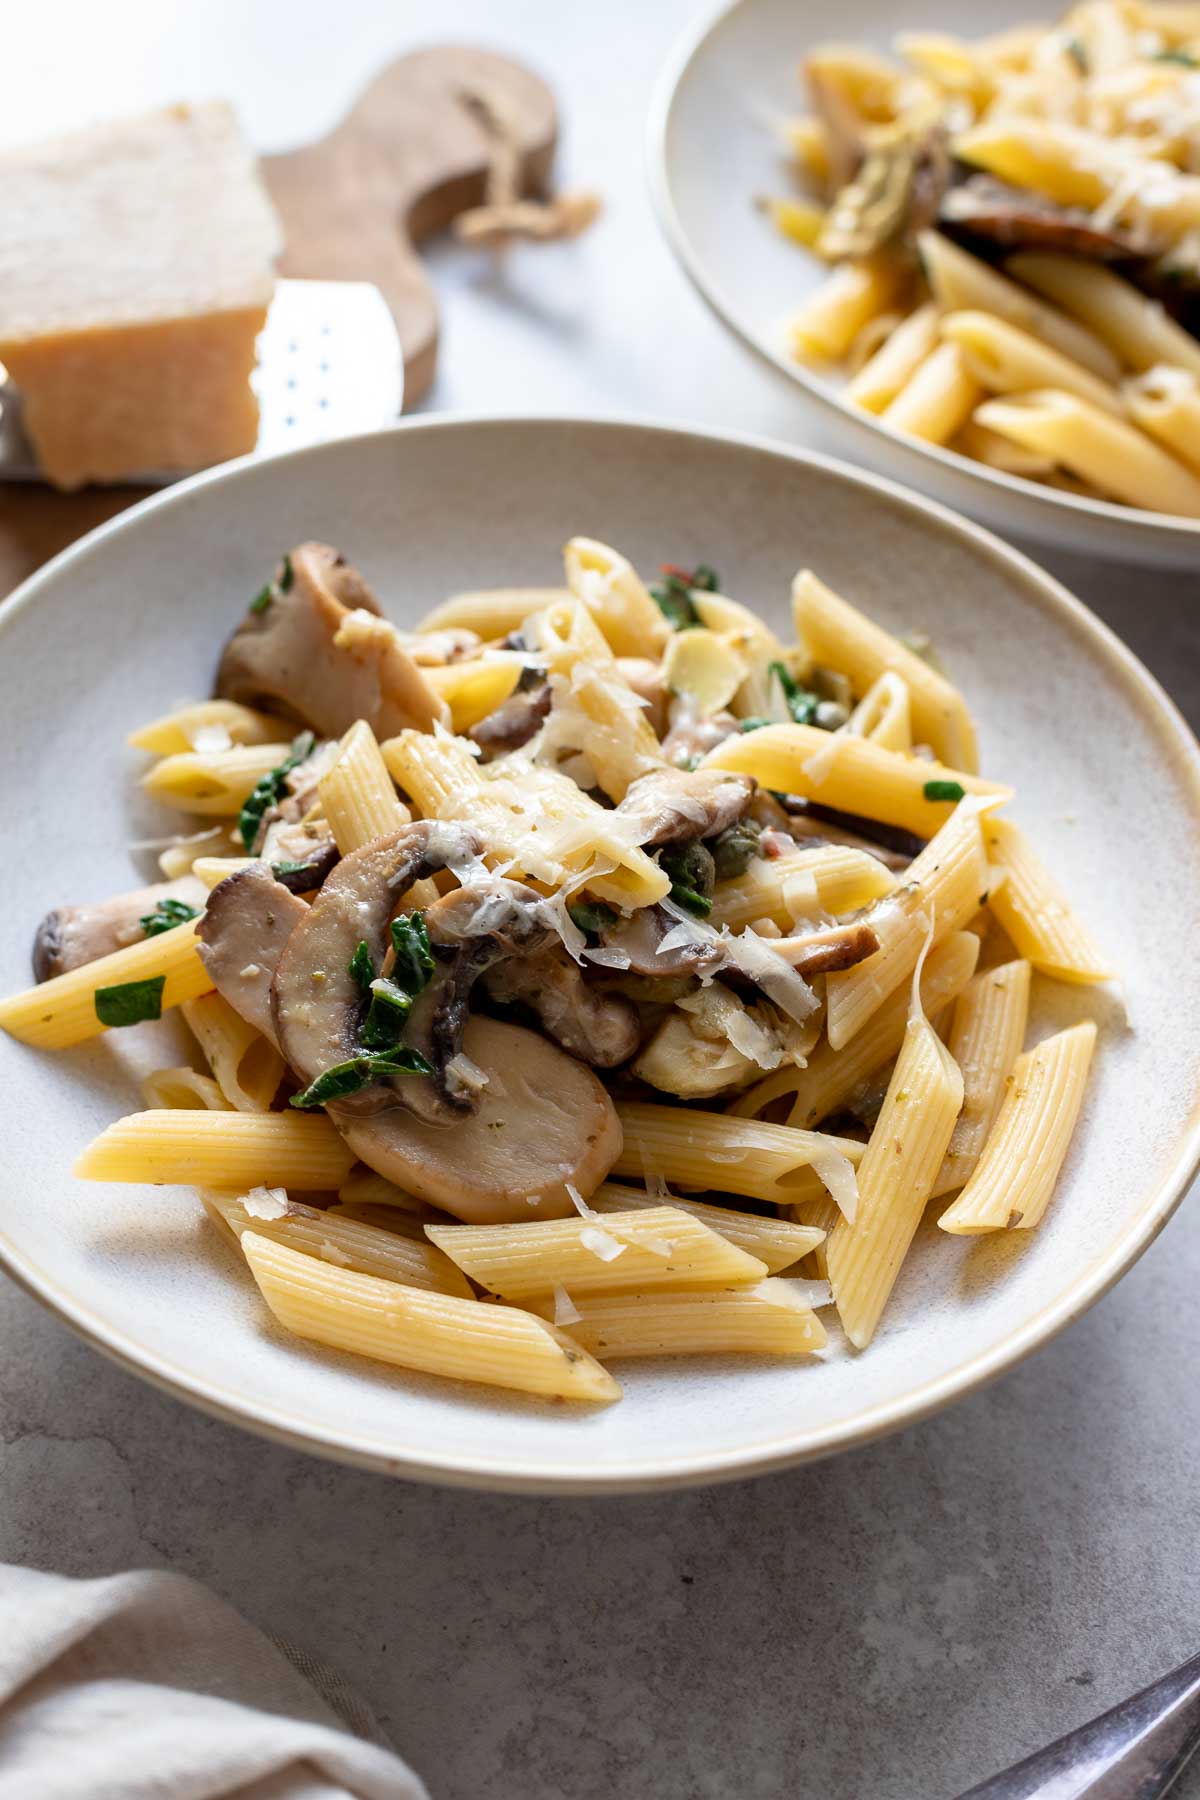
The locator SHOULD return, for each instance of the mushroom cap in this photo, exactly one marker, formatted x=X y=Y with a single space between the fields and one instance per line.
x=675 y=806
x=243 y=931
x=544 y=1120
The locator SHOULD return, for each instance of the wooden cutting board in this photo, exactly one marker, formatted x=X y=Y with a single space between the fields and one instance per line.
x=407 y=159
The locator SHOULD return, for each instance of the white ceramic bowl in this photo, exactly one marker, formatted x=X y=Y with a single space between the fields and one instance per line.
x=129 y=621
x=714 y=145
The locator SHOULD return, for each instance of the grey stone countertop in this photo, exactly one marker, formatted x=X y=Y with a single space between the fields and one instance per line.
x=893 y=1625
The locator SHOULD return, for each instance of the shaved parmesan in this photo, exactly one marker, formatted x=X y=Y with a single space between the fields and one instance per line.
x=464 y=1075
x=601 y=1243
x=837 y=1173
x=578 y=1202
x=331 y=1253
x=608 y=959
x=765 y=928
x=767 y=969
x=819 y=765
x=266 y=1203
x=801 y=895
x=211 y=739
x=565 y=1310
x=814 y=1294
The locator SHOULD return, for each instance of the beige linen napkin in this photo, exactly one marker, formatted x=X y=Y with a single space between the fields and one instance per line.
x=147 y=1687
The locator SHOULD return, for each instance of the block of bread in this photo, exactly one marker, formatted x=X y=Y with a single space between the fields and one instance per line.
x=136 y=268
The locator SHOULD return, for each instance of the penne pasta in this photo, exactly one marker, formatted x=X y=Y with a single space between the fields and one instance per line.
x=182 y=1090
x=1136 y=328
x=895 y=1179
x=767 y=1319
x=962 y=282
x=1034 y=912
x=607 y=720
x=837 y=634
x=490 y=612
x=985 y=1040
x=208 y=725
x=849 y=296
x=688 y=1148
x=212 y=870
x=248 y=1068
x=616 y=598
x=1113 y=456
x=1165 y=402
x=336 y=1239
x=437 y=1334
x=219 y=1150
x=884 y=714
x=65 y=1010
x=476 y=686
x=357 y=795
x=363 y=1187
x=943 y=888
x=1026 y=1148
x=1006 y=360
x=937 y=399
x=896 y=361
x=799 y=884
x=215 y=785
x=661 y=1247
x=851 y=774
x=777 y=1243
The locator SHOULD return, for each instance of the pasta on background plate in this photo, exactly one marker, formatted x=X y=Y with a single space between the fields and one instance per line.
x=1012 y=225
x=587 y=974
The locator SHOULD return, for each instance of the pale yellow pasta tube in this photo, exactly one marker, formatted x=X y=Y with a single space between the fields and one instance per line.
x=182 y=1090
x=616 y=597
x=214 y=869
x=214 y=785
x=884 y=714
x=895 y=1179
x=961 y=281
x=1139 y=329
x=662 y=1247
x=800 y=220
x=777 y=1243
x=1034 y=912
x=896 y=361
x=834 y=878
x=943 y=888
x=937 y=399
x=976 y=441
x=850 y=773
x=491 y=612
x=715 y=1150
x=830 y=321
x=247 y=1067
x=819 y=1215
x=750 y=638
x=209 y=719
x=536 y=818
x=1025 y=1151
x=838 y=634
x=62 y=1011
x=339 y=1240
x=476 y=686
x=1166 y=403
x=1006 y=360
x=768 y=1319
x=219 y=1150
x=985 y=1040
x=357 y=795
x=1113 y=456
x=808 y=140
x=438 y=1334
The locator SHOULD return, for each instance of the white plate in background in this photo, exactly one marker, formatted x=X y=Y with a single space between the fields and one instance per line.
x=714 y=144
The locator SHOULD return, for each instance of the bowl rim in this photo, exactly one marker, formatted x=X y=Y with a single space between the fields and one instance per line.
x=1173 y=532
x=535 y=1476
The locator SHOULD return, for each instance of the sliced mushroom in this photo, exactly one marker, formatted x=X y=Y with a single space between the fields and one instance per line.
x=983 y=207
x=825 y=824
x=318 y=651
x=673 y=806
x=822 y=952
x=435 y=649
x=71 y=936
x=318 y=1004
x=691 y=737
x=513 y=723
x=300 y=848
x=600 y=1028
x=243 y=931
x=640 y=938
x=543 y=1122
